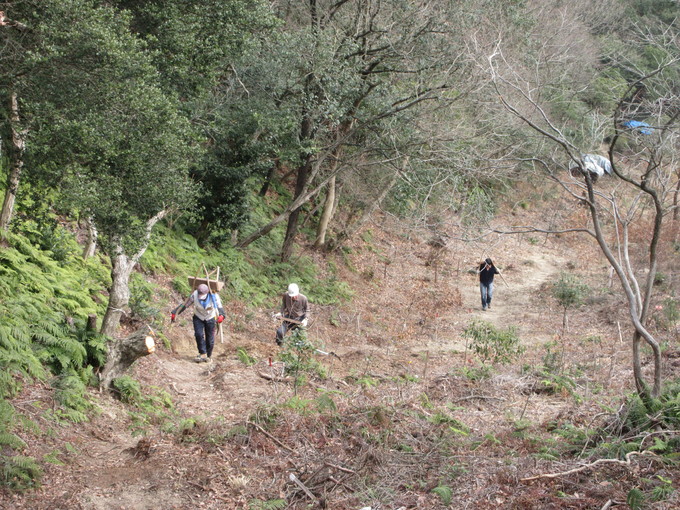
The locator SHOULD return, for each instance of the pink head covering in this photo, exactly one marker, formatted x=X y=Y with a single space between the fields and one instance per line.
x=203 y=290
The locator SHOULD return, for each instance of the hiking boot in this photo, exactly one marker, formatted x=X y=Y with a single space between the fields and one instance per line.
x=206 y=360
x=488 y=306
x=199 y=359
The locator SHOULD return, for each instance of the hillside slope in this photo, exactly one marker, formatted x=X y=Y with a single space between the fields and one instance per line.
x=405 y=416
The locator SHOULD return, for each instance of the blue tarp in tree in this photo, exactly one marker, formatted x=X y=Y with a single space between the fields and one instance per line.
x=641 y=127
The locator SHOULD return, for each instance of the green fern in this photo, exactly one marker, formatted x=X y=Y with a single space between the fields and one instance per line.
x=272 y=504
x=635 y=499
x=71 y=394
x=20 y=473
x=244 y=357
x=11 y=441
x=445 y=493
x=128 y=390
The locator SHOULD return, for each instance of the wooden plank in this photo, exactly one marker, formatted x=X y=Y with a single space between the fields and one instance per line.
x=215 y=285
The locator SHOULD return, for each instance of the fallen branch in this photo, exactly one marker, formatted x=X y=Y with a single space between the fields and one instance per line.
x=340 y=468
x=272 y=377
x=255 y=425
x=176 y=390
x=297 y=481
x=626 y=462
x=124 y=352
x=480 y=397
x=340 y=482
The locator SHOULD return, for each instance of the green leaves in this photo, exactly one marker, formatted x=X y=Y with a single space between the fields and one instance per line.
x=569 y=291
x=492 y=344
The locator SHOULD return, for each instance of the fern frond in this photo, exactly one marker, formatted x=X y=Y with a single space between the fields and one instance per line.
x=19 y=472
x=12 y=441
x=21 y=334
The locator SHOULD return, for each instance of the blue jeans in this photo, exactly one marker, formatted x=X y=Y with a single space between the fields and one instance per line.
x=486 y=289
x=204 y=331
x=283 y=329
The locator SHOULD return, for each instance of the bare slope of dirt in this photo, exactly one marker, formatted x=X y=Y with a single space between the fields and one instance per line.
x=404 y=324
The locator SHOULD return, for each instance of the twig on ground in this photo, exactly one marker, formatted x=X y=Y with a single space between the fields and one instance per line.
x=480 y=397
x=272 y=377
x=626 y=462
x=527 y=402
x=299 y=483
x=340 y=468
x=176 y=390
x=255 y=425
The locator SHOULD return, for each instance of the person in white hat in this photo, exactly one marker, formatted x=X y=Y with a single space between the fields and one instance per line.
x=294 y=311
x=208 y=312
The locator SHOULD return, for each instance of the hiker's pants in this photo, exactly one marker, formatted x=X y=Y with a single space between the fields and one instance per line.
x=204 y=331
x=284 y=328
x=486 y=289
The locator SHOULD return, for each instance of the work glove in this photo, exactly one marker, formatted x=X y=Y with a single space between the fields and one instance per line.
x=304 y=323
x=172 y=317
x=220 y=318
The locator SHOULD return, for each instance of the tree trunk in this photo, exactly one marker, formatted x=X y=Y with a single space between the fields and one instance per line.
x=642 y=389
x=350 y=230
x=15 y=151
x=121 y=269
x=91 y=245
x=328 y=209
x=91 y=326
x=119 y=293
x=292 y=228
x=636 y=307
x=270 y=177
x=300 y=187
x=124 y=352
x=301 y=200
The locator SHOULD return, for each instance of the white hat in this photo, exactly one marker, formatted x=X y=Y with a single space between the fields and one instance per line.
x=203 y=290
x=293 y=290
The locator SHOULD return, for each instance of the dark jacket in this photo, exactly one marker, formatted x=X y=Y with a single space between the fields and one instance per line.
x=486 y=273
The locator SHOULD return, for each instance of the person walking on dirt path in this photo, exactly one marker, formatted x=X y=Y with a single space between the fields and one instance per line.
x=208 y=312
x=486 y=273
x=295 y=307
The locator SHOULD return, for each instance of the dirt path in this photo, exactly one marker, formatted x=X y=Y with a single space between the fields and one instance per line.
x=511 y=304
x=112 y=469
x=513 y=291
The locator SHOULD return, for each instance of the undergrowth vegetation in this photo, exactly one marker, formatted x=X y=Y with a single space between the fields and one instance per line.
x=48 y=291
x=44 y=308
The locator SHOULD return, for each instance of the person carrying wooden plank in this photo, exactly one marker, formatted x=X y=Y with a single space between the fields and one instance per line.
x=293 y=314
x=208 y=312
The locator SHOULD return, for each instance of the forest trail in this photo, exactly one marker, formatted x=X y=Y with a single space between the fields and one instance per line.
x=512 y=294
x=114 y=467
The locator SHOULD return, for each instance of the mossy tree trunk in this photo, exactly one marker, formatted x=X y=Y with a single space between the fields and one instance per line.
x=15 y=150
x=121 y=269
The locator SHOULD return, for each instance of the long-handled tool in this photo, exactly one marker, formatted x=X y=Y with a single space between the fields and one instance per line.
x=502 y=278
x=210 y=291
x=288 y=319
x=499 y=273
x=319 y=351
x=331 y=353
x=219 y=324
